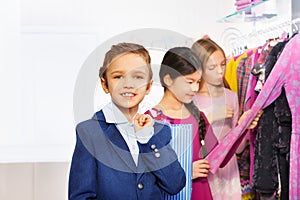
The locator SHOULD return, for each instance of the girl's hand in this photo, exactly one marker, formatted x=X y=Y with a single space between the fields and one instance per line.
x=228 y=111
x=200 y=168
x=220 y=113
x=255 y=120
x=142 y=121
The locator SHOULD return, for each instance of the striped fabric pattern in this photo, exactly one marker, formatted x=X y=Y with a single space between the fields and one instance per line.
x=182 y=144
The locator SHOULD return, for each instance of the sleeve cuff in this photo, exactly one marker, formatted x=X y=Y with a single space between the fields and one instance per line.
x=144 y=135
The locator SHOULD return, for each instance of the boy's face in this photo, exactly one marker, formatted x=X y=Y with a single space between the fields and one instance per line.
x=127 y=81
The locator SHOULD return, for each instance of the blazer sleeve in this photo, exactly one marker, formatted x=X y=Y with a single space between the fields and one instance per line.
x=82 y=178
x=161 y=160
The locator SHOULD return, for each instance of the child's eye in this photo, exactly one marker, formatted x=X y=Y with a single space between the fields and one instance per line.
x=117 y=77
x=211 y=67
x=139 y=77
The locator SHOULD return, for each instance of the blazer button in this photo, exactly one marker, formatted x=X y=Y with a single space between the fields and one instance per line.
x=140 y=186
x=157 y=155
x=153 y=146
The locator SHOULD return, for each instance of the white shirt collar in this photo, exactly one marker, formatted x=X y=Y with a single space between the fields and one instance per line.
x=113 y=114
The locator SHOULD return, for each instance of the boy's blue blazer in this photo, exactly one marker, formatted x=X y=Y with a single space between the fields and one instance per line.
x=103 y=168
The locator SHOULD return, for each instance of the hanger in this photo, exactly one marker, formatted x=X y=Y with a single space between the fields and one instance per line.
x=277 y=32
x=295 y=28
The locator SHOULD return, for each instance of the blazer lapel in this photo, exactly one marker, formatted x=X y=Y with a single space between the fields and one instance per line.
x=116 y=142
x=120 y=147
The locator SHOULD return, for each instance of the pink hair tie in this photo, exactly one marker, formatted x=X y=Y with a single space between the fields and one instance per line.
x=206 y=36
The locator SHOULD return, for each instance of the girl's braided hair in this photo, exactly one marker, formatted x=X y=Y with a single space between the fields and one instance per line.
x=201 y=122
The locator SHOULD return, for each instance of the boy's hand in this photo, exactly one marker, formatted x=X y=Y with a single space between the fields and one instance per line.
x=142 y=121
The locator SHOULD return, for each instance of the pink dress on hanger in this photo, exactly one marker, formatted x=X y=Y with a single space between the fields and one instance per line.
x=285 y=73
x=225 y=183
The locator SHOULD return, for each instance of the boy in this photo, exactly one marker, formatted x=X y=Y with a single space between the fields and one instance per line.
x=119 y=153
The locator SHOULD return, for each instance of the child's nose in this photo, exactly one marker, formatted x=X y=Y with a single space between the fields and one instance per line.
x=220 y=69
x=195 y=87
x=127 y=82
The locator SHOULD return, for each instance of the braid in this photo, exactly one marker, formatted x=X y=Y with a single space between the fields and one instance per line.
x=201 y=122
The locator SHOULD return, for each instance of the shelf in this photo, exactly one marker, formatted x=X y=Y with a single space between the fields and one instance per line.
x=241 y=16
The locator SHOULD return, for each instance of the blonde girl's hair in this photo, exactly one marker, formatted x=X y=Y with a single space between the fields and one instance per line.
x=204 y=48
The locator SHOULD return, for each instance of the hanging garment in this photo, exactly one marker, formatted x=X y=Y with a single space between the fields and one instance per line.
x=243 y=73
x=230 y=73
x=250 y=98
x=285 y=74
x=273 y=139
x=282 y=144
x=245 y=82
x=248 y=193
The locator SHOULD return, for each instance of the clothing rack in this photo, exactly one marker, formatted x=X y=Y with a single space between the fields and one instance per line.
x=259 y=37
x=289 y=26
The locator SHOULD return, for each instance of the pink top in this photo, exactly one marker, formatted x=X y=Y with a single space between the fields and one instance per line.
x=200 y=187
x=225 y=183
x=207 y=104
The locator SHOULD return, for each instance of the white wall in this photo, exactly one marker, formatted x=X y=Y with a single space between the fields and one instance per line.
x=43 y=46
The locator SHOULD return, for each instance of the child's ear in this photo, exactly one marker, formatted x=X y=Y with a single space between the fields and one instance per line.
x=167 y=80
x=149 y=86
x=104 y=85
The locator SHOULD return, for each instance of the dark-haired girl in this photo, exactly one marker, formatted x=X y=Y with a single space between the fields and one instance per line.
x=180 y=75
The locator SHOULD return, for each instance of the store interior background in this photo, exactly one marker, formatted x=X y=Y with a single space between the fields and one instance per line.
x=44 y=45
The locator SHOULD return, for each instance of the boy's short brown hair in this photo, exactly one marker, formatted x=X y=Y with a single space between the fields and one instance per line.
x=122 y=49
